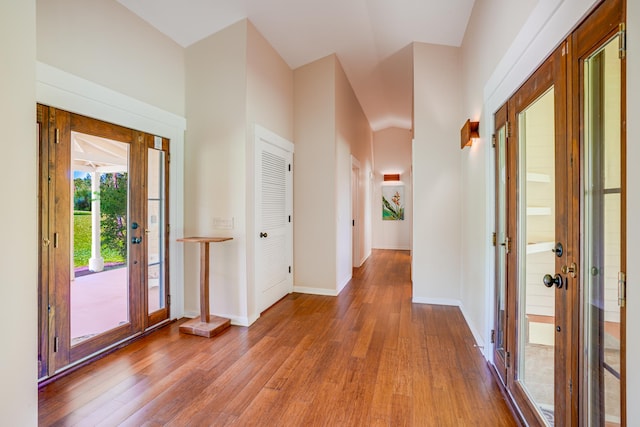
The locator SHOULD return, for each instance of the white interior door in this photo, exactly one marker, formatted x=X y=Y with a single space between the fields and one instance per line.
x=274 y=218
x=355 y=220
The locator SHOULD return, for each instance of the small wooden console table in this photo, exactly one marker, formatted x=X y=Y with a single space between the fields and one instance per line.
x=207 y=325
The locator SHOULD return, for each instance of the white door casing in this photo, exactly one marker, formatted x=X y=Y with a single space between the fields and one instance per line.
x=273 y=218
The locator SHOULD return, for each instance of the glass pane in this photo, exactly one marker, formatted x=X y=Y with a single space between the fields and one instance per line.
x=602 y=202
x=536 y=208
x=100 y=277
x=155 y=230
x=501 y=236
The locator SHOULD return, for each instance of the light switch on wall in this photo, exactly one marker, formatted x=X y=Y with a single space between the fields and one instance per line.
x=223 y=223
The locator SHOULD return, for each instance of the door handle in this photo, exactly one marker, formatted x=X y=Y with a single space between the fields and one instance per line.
x=263 y=235
x=136 y=240
x=550 y=280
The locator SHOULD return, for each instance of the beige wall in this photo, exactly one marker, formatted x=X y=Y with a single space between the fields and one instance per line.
x=18 y=219
x=215 y=172
x=234 y=79
x=436 y=174
x=315 y=177
x=270 y=105
x=353 y=138
x=269 y=86
x=105 y=43
x=330 y=127
x=392 y=154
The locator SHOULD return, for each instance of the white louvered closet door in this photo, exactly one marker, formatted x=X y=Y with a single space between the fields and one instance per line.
x=274 y=231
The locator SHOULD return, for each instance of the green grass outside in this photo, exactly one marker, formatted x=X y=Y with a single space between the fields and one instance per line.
x=82 y=241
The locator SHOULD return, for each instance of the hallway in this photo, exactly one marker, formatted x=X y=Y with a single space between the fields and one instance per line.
x=368 y=357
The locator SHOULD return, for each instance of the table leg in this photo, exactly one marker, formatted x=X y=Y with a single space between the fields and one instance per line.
x=204 y=282
x=207 y=325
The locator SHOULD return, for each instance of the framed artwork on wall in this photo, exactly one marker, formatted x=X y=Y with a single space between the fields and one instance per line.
x=393 y=202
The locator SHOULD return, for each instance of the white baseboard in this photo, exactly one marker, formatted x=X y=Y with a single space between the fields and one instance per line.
x=436 y=301
x=315 y=291
x=344 y=284
x=235 y=320
x=476 y=335
x=394 y=248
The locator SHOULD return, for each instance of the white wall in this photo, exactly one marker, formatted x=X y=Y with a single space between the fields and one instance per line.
x=18 y=219
x=436 y=174
x=483 y=46
x=314 y=178
x=392 y=154
x=103 y=42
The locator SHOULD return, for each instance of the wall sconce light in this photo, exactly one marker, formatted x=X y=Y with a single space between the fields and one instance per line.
x=392 y=177
x=469 y=131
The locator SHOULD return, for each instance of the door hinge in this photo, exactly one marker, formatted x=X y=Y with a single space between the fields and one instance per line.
x=507 y=129
x=622 y=288
x=56 y=344
x=493 y=140
x=507 y=359
x=570 y=386
x=289 y=269
x=289 y=167
x=168 y=157
x=169 y=299
x=168 y=228
x=622 y=41
x=493 y=336
x=57 y=136
x=495 y=239
x=289 y=218
x=56 y=239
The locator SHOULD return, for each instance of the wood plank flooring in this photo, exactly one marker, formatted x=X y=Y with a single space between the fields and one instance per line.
x=366 y=358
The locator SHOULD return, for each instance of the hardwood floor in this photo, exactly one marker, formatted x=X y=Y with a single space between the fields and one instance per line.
x=366 y=358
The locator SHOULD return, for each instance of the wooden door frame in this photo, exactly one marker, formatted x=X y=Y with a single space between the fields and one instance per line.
x=56 y=125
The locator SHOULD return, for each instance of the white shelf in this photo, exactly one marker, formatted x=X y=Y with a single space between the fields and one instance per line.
x=538 y=177
x=534 y=248
x=538 y=211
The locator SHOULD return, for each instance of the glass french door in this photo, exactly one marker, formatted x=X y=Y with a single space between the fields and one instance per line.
x=502 y=245
x=103 y=228
x=600 y=72
x=560 y=232
x=539 y=205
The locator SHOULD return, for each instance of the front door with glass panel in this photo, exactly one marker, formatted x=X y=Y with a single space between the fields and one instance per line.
x=103 y=232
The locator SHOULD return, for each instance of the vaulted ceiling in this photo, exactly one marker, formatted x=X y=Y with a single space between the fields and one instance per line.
x=372 y=38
